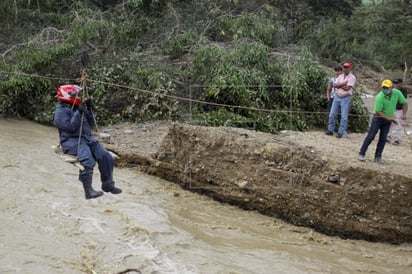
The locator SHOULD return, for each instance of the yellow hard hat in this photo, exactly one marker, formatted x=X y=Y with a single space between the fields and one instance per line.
x=387 y=83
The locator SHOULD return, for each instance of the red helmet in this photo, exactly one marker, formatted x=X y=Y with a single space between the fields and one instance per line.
x=69 y=94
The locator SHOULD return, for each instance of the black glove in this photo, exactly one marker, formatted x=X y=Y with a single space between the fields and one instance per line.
x=81 y=108
x=89 y=103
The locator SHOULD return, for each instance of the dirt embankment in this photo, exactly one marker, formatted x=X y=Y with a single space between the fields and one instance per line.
x=277 y=175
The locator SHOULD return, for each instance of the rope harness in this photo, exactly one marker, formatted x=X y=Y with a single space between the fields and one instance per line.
x=84 y=60
x=84 y=94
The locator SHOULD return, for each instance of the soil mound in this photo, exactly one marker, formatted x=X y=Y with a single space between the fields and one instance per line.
x=276 y=175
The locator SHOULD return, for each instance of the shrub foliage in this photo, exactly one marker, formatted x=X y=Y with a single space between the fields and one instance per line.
x=234 y=58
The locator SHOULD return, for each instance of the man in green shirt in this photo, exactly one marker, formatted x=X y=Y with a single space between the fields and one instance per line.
x=385 y=107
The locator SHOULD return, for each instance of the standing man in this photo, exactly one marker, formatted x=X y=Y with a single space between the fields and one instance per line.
x=74 y=120
x=330 y=90
x=385 y=106
x=396 y=129
x=344 y=84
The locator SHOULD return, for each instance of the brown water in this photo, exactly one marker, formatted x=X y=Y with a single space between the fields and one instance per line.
x=48 y=227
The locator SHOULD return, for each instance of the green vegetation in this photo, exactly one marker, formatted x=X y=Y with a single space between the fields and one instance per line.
x=378 y=35
x=243 y=62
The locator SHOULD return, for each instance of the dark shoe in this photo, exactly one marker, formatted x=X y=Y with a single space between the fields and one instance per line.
x=91 y=193
x=339 y=135
x=330 y=133
x=113 y=190
x=396 y=143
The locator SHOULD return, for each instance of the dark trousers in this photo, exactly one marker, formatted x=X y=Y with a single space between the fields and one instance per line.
x=90 y=152
x=377 y=124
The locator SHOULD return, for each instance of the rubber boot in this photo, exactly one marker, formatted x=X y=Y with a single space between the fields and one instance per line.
x=86 y=177
x=111 y=188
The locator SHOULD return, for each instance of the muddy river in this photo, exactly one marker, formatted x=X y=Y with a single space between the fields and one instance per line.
x=152 y=227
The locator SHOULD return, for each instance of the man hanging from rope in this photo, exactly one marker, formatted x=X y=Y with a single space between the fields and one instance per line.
x=74 y=120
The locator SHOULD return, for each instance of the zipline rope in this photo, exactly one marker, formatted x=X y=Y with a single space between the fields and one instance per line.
x=84 y=94
x=179 y=98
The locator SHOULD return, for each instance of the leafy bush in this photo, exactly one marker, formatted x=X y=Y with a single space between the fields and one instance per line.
x=123 y=94
x=256 y=26
x=226 y=49
x=359 y=115
x=219 y=117
x=239 y=83
x=377 y=33
x=179 y=44
x=29 y=97
x=234 y=77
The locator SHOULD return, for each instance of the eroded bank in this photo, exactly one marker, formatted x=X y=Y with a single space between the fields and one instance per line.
x=275 y=176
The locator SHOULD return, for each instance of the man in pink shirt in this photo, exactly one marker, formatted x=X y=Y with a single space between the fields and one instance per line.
x=343 y=85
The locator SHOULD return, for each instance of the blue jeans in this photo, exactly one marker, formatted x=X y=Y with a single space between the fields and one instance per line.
x=344 y=105
x=377 y=124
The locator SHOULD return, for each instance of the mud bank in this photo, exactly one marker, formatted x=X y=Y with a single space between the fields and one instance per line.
x=274 y=175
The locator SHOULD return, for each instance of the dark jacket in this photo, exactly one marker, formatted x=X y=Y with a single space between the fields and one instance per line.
x=69 y=124
x=405 y=94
